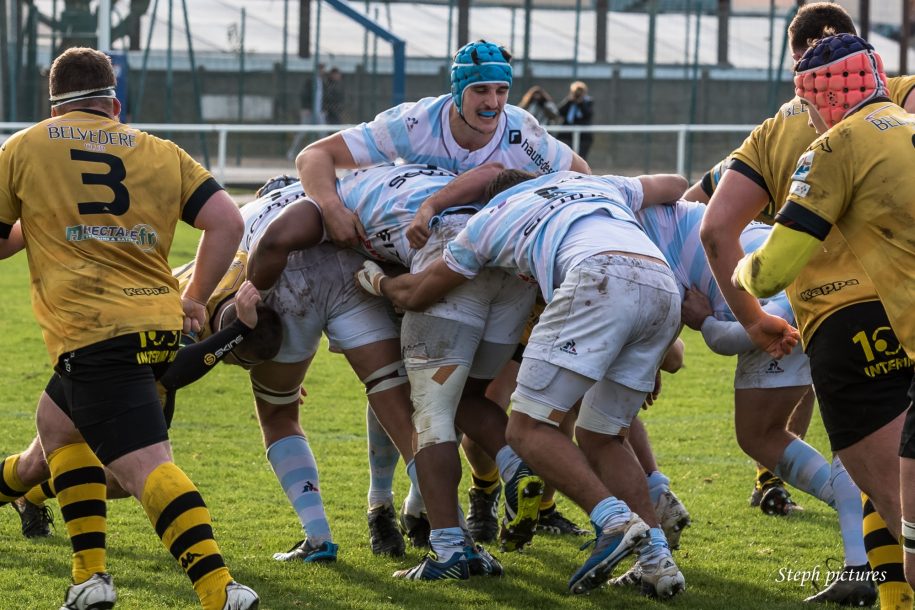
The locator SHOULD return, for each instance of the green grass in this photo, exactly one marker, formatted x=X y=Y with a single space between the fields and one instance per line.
x=731 y=556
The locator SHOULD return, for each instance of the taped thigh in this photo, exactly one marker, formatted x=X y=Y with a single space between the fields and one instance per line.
x=431 y=341
x=609 y=408
x=435 y=393
x=274 y=395
x=546 y=392
x=387 y=377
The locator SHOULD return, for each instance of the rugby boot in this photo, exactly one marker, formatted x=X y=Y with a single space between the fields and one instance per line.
x=673 y=517
x=483 y=516
x=522 y=509
x=610 y=547
x=430 y=568
x=384 y=533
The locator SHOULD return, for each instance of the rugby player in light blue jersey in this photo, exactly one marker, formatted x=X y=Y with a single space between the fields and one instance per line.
x=613 y=308
x=470 y=126
x=766 y=390
x=490 y=312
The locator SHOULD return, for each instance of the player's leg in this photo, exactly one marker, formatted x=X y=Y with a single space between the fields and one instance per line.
x=671 y=513
x=862 y=404
x=364 y=328
x=107 y=390
x=379 y=366
x=277 y=395
x=21 y=473
x=885 y=557
x=509 y=304
x=437 y=354
x=760 y=418
x=632 y=342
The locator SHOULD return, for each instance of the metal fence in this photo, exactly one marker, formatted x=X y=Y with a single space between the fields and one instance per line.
x=247 y=168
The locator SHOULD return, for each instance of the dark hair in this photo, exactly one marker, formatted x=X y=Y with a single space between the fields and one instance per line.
x=818 y=20
x=264 y=340
x=79 y=69
x=504 y=180
x=530 y=93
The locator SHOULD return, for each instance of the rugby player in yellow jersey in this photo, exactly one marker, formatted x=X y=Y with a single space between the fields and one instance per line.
x=98 y=204
x=857 y=177
x=833 y=291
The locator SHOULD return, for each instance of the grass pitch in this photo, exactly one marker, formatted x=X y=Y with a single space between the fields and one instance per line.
x=732 y=556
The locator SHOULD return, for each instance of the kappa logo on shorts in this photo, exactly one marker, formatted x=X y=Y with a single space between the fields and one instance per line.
x=411 y=122
x=569 y=348
x=774 y=368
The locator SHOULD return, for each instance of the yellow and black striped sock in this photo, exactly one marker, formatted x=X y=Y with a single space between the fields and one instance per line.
x=80 y=481
x=764 y=477
x=40 y=494
x=11 y=486
x=182 y=521
x=547 y=504
x=488 y=481
x=884 y=554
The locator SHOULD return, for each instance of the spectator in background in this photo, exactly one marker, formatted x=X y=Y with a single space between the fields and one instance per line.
x=577 y=109
x=539 y=103
x=311 y=108
x=333 y=102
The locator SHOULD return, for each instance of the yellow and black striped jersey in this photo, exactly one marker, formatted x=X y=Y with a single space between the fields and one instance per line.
x=833 y=278
x=98 y=202
x=858 y=178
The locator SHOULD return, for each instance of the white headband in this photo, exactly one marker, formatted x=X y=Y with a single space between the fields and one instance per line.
x=85 y=94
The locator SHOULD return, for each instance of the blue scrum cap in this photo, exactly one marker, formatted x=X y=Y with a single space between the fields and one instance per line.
x=478 y=62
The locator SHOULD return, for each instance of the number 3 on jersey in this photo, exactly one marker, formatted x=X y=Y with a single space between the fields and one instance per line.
x=114 y=180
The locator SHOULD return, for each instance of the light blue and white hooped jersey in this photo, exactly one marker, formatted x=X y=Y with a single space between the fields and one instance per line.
x=386 y=198
x=420 y=132
x=675 y=230
x=258 y=214
x=522 y=228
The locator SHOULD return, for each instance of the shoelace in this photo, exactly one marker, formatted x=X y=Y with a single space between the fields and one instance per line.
x=816 y=586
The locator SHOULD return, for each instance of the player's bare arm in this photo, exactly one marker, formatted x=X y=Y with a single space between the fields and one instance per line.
x=466 y=188
x=317 y=165
x=662 y=188
x=410 y=291
x=14 y=243
x=297 y=227
x=735 y=203
x=579 y=164
x=222 y=227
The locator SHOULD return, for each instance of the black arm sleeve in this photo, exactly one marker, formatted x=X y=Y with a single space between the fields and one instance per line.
x=742 y=168
x=795 y=216
x=196 y=360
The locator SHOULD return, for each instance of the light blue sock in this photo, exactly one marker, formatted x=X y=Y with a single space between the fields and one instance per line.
x=803 y=467
x=446 y=542
x=657 y=484
x=657 y=546
x=848 y=505
x=295 y=467
x=414 y=501
x=508 y=462
x=609 y=513
x=383 y=456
